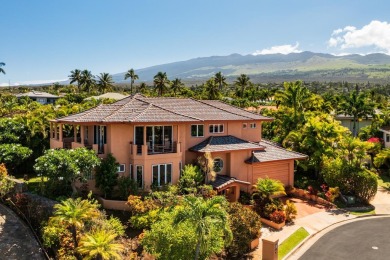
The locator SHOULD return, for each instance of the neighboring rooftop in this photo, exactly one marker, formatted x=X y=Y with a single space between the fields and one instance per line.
x=225 y=143
x=138 y=108
x=36 y=94
x=222 y=181
x=110 y=95
x=274 y=152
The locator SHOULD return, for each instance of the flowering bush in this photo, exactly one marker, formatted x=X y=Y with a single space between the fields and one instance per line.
x=312 y=191
x=278 y=216
x=291 y=211
x=332 y=194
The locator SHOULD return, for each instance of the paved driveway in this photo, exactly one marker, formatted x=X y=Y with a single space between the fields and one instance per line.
x=16 y=240
x=364 y=239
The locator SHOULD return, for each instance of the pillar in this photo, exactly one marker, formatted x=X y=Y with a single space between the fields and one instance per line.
x=270 y=248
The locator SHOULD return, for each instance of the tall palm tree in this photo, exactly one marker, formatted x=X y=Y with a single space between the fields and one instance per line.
x=131 y=74
x=100 y=244
x=356 y=105
x=87 y=80
x=212 y=89
x=75 y=76
x=105 y=82
x=204 y=215
x=177 y=85
x=242 y=82
x=161 y=82
x=1 y=69
x=73 y=213
x=220 y=80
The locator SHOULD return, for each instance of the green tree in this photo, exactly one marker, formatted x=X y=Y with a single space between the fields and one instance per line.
x=87 y=81
x=356 y=105
x=176 y=86
x=203 y=215
x=133 y=77
x=211 y=89
x=191 y=177
x=100 y=244
x=142 y=87
x=242 y=82
x=220 y=80
x=1 y=69
x=161 y=82
x=105 y=82
x=73 y=214
x=383 y=158
x=107 y=175
x=266 y=188
x=75 y=77
x=13 y=155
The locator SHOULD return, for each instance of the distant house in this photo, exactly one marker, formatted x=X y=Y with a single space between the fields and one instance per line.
x=347 y=121
x=153 y=138
x=110 y=95
x=386 y=135
x=40 y=97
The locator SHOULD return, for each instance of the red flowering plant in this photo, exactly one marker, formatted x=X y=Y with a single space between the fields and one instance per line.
x=278 y=216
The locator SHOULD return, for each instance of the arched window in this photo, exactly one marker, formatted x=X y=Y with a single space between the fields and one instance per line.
x=218 y=165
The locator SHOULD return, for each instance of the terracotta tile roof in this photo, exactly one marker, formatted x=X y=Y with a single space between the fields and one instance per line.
x=222 y=181
x=138 y=108
x=274 y=152
x=224 y=143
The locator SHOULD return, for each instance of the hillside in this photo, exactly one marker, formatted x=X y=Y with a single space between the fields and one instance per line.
x=276 y=67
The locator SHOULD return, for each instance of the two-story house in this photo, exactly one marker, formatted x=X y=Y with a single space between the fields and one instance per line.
x=40 y=97
x=152 y=138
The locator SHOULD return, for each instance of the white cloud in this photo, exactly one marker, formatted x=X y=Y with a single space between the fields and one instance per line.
x=375 y=34
x=282 y=49
x=32 y=82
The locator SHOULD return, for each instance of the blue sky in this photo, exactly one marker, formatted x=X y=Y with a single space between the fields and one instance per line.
x=46 y=39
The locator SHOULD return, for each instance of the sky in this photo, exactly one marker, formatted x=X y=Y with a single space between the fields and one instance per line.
x=43 y=40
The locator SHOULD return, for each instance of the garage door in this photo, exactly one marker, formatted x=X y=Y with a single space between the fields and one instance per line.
x=278 y=171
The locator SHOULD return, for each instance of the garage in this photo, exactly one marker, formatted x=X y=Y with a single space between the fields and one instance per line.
x=274 y=170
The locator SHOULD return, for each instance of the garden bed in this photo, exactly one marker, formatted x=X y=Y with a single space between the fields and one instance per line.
x=113 y=204
x=273 y=224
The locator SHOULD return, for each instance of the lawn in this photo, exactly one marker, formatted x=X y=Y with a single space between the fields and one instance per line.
x=33 y=184
x=291 y=242
x=361 y=213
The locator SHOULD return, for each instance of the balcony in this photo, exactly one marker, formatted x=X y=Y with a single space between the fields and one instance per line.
x=154 y=150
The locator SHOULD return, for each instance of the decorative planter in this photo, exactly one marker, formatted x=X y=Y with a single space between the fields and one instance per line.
x=272 y=224
x=254 y=243
x=113 y=204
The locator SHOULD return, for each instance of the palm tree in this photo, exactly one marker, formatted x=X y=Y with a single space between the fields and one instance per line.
x=161 y=82
x=212 y=89
x=142 y=87
x=294 y=95
x=100 y=244
x=75 y=76
x=242 y=82
x=1 y=69
x=73 y=213
x=220 y=80
x=357 y=106
x=204 y=215
x=266 y=188
x=87 y=80
x=177 y=85
x=131 y=74
x=105 y=82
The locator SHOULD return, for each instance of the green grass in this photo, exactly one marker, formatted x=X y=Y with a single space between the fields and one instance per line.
x=33 y=184
x=361 y=213
x=291 y=242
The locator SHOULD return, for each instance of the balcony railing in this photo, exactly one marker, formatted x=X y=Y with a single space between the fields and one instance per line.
x=137 y=149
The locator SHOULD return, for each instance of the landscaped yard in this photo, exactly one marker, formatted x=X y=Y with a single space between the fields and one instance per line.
x=291 y=242
x=384 y=181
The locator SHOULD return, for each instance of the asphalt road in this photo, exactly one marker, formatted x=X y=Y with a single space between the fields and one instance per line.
x=365 y=239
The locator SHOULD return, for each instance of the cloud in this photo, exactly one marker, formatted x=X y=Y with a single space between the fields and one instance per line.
x=375 y=34
x=282 y=49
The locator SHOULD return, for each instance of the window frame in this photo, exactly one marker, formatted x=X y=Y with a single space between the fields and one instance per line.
x=197 y=130
x=252 y=125
x=159 y=174
x=216 y=127
x=119 y=168
x=223 y=164
x=136 y=176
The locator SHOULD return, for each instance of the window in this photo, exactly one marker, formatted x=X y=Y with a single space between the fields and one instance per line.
x=131 y=171
x=197 y=130
x=121 y=168
x=252 y=125
x=162 y=174
x=180 y=168
x=139 y=177
x=244 y=125
x=216 y=128
x=387 y=138
x=218 y=165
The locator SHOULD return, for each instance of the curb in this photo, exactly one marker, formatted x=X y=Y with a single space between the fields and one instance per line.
x=303 y=242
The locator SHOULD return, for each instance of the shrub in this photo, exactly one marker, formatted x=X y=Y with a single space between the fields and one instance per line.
x=267 y=187
x=126 y=186
x=245 y=225
x=190 y=179
x=13 y=155
x=6 y=184
x=291 y=211
x=332 y=194
x=278 y=216
x=271 y=207
x=107 y=175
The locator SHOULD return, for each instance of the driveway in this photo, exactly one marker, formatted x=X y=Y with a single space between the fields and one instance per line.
x=366 y=239
x=16 y=240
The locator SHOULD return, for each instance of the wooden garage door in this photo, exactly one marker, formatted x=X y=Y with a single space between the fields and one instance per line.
x=279 y=171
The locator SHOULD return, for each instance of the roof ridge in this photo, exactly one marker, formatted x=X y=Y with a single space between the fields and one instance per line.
x=230 y=111
x=121 y=107
x=174 y=112
x=146 y=109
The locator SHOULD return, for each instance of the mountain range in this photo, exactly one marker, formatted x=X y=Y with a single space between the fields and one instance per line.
x=306 y=65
